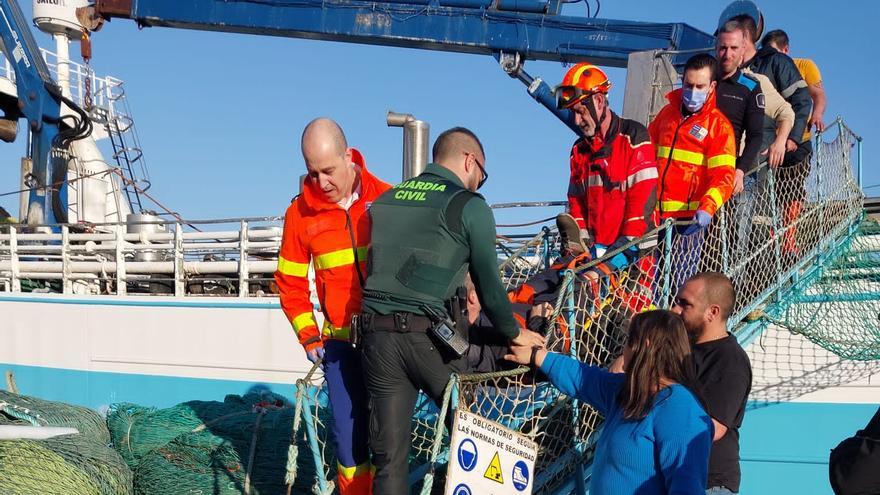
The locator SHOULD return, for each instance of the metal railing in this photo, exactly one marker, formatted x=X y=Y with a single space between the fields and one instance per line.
x=167 y=260
x=104 y=99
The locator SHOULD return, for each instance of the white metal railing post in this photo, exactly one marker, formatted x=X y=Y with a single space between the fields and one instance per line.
x=178 y=260
x=13 y=257
x=243 y=273
x=121 y=289
x=66 y=285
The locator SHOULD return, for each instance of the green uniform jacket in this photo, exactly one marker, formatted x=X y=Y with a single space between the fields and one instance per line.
x=419 y=257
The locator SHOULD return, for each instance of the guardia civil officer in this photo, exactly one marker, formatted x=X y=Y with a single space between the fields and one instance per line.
x=427 y=233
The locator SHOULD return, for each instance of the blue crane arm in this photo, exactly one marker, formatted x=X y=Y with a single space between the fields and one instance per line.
x=39 y=101
x=526 y=29
x=468 y=26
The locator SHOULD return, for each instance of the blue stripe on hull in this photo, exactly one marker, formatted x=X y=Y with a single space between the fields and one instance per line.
x=96 y=389
x=784 y=447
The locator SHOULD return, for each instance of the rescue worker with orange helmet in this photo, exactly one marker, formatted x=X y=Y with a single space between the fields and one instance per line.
x=611 y=192
x=613 y=182
x=328 y=225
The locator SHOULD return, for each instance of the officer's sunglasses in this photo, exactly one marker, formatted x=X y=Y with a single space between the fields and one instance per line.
x=482 y=169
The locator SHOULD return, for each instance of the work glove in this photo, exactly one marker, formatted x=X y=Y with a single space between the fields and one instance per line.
x=316 y=354
x=701 y=221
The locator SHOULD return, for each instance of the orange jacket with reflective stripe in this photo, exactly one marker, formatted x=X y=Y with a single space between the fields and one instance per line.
x=335 y=241
x=696 y=158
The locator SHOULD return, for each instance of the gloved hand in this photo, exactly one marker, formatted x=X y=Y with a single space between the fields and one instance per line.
x=701 y=221
x=316 y=354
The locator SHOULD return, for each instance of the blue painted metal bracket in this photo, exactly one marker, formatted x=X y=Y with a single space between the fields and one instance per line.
x=466 y=26
x=38 y=100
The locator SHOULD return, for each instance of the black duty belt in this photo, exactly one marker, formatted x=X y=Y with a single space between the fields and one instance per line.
x=395 y=322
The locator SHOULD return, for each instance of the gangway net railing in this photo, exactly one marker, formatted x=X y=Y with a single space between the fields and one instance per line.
x=784 y=230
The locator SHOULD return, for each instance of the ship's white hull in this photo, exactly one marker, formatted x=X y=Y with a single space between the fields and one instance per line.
x=95 y=350
x=159 y=351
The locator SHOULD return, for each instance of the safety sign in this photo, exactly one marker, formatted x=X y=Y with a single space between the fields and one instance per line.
x=488 y=459
x=467 y=454
x=462 y=489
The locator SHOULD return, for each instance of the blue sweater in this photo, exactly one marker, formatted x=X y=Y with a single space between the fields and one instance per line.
x=667 y=452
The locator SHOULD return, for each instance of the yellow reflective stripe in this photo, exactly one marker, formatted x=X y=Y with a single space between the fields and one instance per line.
x=351 y=472
x=679 y=205
x=681 y=155
x=716 y=196
x=292 y=268
x=722 y=161
x=339 y=258
x=341 y=333
x=304 y=320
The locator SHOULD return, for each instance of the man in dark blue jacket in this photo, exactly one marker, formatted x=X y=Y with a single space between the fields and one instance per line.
x=783 y=73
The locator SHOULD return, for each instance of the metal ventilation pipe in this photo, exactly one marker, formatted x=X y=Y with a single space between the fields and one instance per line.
x=416 y=136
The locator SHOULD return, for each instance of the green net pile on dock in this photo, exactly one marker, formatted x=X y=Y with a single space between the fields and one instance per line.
x=77 y=464
x=241 y=445
x=23 y=409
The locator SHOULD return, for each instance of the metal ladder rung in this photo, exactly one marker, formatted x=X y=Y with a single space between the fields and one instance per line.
x=138 y=154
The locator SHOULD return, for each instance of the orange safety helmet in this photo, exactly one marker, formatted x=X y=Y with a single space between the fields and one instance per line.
x=582 y=80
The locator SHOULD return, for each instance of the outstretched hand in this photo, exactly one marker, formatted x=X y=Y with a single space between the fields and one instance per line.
x=523 y=355
x=528 y=339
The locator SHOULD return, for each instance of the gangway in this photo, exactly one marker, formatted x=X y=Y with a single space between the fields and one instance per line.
x=751 y=243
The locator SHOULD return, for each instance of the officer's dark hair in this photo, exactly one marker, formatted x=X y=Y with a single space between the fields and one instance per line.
x=701 y=61
x=748 y=25
x=718 y=290
x=777 y=37
x=454 y=141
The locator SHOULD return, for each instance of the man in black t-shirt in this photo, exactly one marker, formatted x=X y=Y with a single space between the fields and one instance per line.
x=705 y=302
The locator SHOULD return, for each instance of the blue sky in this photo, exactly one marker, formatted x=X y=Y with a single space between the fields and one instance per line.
x=219 y=115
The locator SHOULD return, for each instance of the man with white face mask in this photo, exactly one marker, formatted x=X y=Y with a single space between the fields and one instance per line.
x=696 y=154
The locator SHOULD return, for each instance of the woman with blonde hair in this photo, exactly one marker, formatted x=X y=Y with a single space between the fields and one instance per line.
x=656 y=436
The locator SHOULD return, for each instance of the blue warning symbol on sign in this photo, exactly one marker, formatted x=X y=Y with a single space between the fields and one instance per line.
x=520 y=475
x=462 y=489
x=467 y=455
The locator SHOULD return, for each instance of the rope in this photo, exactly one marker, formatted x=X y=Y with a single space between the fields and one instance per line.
x=21 y=413
x=10 y=382
x=527 y=224
x=438 y=439
x=293 y=449
x=252 y=452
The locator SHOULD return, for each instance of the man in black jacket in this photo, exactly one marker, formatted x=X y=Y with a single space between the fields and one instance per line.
x=740 y=99
x=783 y=73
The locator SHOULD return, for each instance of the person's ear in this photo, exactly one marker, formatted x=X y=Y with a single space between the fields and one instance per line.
x=714 y=312
x=472 y=297
x=349 y=155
